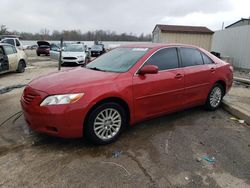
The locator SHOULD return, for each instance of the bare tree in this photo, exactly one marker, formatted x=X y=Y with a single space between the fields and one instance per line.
x=3 y=30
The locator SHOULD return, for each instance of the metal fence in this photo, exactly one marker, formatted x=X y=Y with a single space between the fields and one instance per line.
x=234 y=43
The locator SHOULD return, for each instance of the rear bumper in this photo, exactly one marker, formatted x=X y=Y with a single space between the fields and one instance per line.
x=43 y=52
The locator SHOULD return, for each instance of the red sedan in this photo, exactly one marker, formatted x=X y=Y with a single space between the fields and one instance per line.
x=122 y=87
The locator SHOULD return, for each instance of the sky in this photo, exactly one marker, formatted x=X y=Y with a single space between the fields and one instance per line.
x=130 y=16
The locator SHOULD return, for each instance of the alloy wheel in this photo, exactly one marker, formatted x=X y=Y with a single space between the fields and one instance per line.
x=107 y=123
x=215 y=97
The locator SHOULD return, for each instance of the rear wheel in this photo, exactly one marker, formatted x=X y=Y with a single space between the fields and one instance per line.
x=21 y=66
x=105 y=123
x=215 y=97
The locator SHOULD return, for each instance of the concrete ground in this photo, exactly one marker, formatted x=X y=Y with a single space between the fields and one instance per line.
x=192 y=148
x=237 y=102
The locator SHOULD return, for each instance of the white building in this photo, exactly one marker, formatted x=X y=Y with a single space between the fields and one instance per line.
x=234 y=42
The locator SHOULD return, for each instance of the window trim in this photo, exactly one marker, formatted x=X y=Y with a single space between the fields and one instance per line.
x=16 y=41
x=14 y=49
x=202 y=53
x=178 y=57
x=193 y=49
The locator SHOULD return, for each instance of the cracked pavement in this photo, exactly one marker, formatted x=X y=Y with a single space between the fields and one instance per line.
x=163 y=152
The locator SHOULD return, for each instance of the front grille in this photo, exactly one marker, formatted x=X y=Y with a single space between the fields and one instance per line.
x=29 y=98
x=69 y=58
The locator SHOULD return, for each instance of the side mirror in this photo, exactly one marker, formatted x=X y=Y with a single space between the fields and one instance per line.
x=148 y=69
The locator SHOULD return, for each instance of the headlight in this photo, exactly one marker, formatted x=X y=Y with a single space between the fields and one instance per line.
x=61 y=99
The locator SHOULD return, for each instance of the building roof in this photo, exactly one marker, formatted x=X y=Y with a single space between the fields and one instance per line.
x=183 y=29
x=156 y=45
x=241 y=20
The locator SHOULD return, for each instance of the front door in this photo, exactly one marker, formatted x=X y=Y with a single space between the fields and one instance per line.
x=155 y=94
x=11 y=53
x=4 y=64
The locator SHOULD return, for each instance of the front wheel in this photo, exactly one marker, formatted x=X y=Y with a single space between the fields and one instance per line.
x=21 y=67
x=105 y=123
x=215 y=97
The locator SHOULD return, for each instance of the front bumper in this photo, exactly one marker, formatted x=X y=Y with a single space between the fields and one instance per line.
x=73 y=61
x=59 y=120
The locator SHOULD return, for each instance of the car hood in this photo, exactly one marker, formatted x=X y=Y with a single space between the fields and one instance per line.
x=72 y=54
x=71 y=80
x=39 y=43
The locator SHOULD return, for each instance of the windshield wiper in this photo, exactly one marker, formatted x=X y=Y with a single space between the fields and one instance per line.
x=95 y=68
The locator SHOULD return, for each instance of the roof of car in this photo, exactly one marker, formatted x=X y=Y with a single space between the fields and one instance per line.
x=157 y=45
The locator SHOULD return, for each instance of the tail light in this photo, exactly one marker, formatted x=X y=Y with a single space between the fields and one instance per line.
x=231 y=68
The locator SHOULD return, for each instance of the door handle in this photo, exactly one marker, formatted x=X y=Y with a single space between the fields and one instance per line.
x=178 y=76
x=212 y=69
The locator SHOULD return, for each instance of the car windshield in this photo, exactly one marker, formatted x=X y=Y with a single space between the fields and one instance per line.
x=118 y=60
x=74 y=48
x=96 y=47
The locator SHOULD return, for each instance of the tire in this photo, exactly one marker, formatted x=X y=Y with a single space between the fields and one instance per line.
x=215 y=97
x=106 y=131
x=21 y=66
x=38 y=54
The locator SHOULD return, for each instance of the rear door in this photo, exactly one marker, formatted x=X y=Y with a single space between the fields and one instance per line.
x=162 y=92
x=197 y=76
x=11 y=53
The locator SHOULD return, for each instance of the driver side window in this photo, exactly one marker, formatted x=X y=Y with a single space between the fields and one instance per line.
x=164 y=59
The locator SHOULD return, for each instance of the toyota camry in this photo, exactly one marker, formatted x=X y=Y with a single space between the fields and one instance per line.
x=122 y=87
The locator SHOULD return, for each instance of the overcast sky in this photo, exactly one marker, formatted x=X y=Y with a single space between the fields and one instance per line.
x=136 y=16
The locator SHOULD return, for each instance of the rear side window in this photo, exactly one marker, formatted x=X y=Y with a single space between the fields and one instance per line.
x=190 y=57
x=17 y=43
x=164 y=59
x=8 y=50
x=206 y=59
x=9 y=41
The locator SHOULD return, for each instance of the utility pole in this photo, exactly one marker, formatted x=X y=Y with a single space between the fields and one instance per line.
x=60 y=54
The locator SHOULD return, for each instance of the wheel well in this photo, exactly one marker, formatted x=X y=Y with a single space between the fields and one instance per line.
x=223 y=84
x=23 y=61
x=111 y=99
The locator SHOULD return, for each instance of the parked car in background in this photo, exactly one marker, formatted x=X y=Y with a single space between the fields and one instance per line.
x=32 y=47
x=71 y=54
x=14 y=42
x=97 y=49
x=11 y=59
x=43 y=48
x=124 y=86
